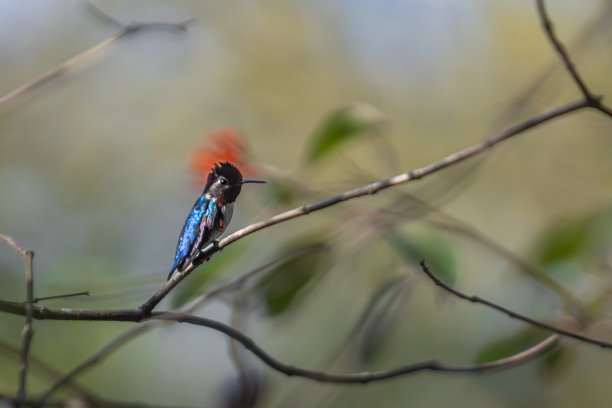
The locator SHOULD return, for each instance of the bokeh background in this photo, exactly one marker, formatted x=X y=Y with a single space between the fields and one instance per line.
x=95 y=177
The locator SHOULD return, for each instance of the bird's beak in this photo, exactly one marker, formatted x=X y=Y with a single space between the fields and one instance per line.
x=251 y=181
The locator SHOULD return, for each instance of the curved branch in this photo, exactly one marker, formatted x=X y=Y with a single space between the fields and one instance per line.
x=512 y=314
x=361 y=377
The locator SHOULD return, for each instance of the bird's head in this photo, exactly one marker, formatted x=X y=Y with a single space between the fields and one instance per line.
x=225 y=182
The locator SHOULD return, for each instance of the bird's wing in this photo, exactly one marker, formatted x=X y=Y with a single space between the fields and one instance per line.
x=189 y=235
x=208 y=230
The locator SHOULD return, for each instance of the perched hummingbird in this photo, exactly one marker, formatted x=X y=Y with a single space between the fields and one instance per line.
x=210 y=214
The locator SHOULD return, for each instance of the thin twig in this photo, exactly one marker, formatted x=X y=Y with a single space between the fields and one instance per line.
x=361 y=377
x=28 y=331
x=560 y=48
x=73 y=62
x=38 y=299
x=13 y=244
x=512 y=314
x=594 y=101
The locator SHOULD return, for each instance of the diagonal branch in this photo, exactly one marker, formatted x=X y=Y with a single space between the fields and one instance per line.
x=361 y=377
x=369 y=189
x=594 y=101
x=562 y=51
x=514 y=315
x=73 y=62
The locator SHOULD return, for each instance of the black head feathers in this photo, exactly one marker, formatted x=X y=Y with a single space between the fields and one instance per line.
x=229 y=171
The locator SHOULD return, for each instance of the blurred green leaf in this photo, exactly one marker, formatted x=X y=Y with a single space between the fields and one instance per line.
x=510 y=345
x=197 y=282
x=280 y=287
x=343 y=125
x=435 y=248
x=565 y=240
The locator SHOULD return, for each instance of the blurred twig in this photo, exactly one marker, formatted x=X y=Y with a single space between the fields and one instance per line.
x=65 y=67
x=27 y=332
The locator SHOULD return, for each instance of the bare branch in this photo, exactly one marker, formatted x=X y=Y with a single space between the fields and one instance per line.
x=560 y=48
x=13 y=244
x=514 y=315
x=27 y=332
x=361 y=377
x=69 y=65
x=594 y=101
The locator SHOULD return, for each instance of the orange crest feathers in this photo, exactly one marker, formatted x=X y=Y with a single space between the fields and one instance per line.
x=223 y=144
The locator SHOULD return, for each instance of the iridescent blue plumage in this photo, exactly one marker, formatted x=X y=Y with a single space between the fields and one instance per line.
x=210 y=214
x=201 y=224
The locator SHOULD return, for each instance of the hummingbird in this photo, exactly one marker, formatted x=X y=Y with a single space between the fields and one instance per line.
x=210 y=215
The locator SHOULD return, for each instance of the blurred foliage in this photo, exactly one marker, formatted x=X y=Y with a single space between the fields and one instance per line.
x=564 y=240
x=280 y=287
x=381 y=317
x=583 y=241
x=342 y=126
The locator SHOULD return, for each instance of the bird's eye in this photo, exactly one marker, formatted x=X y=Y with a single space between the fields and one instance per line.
x=223 y=181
